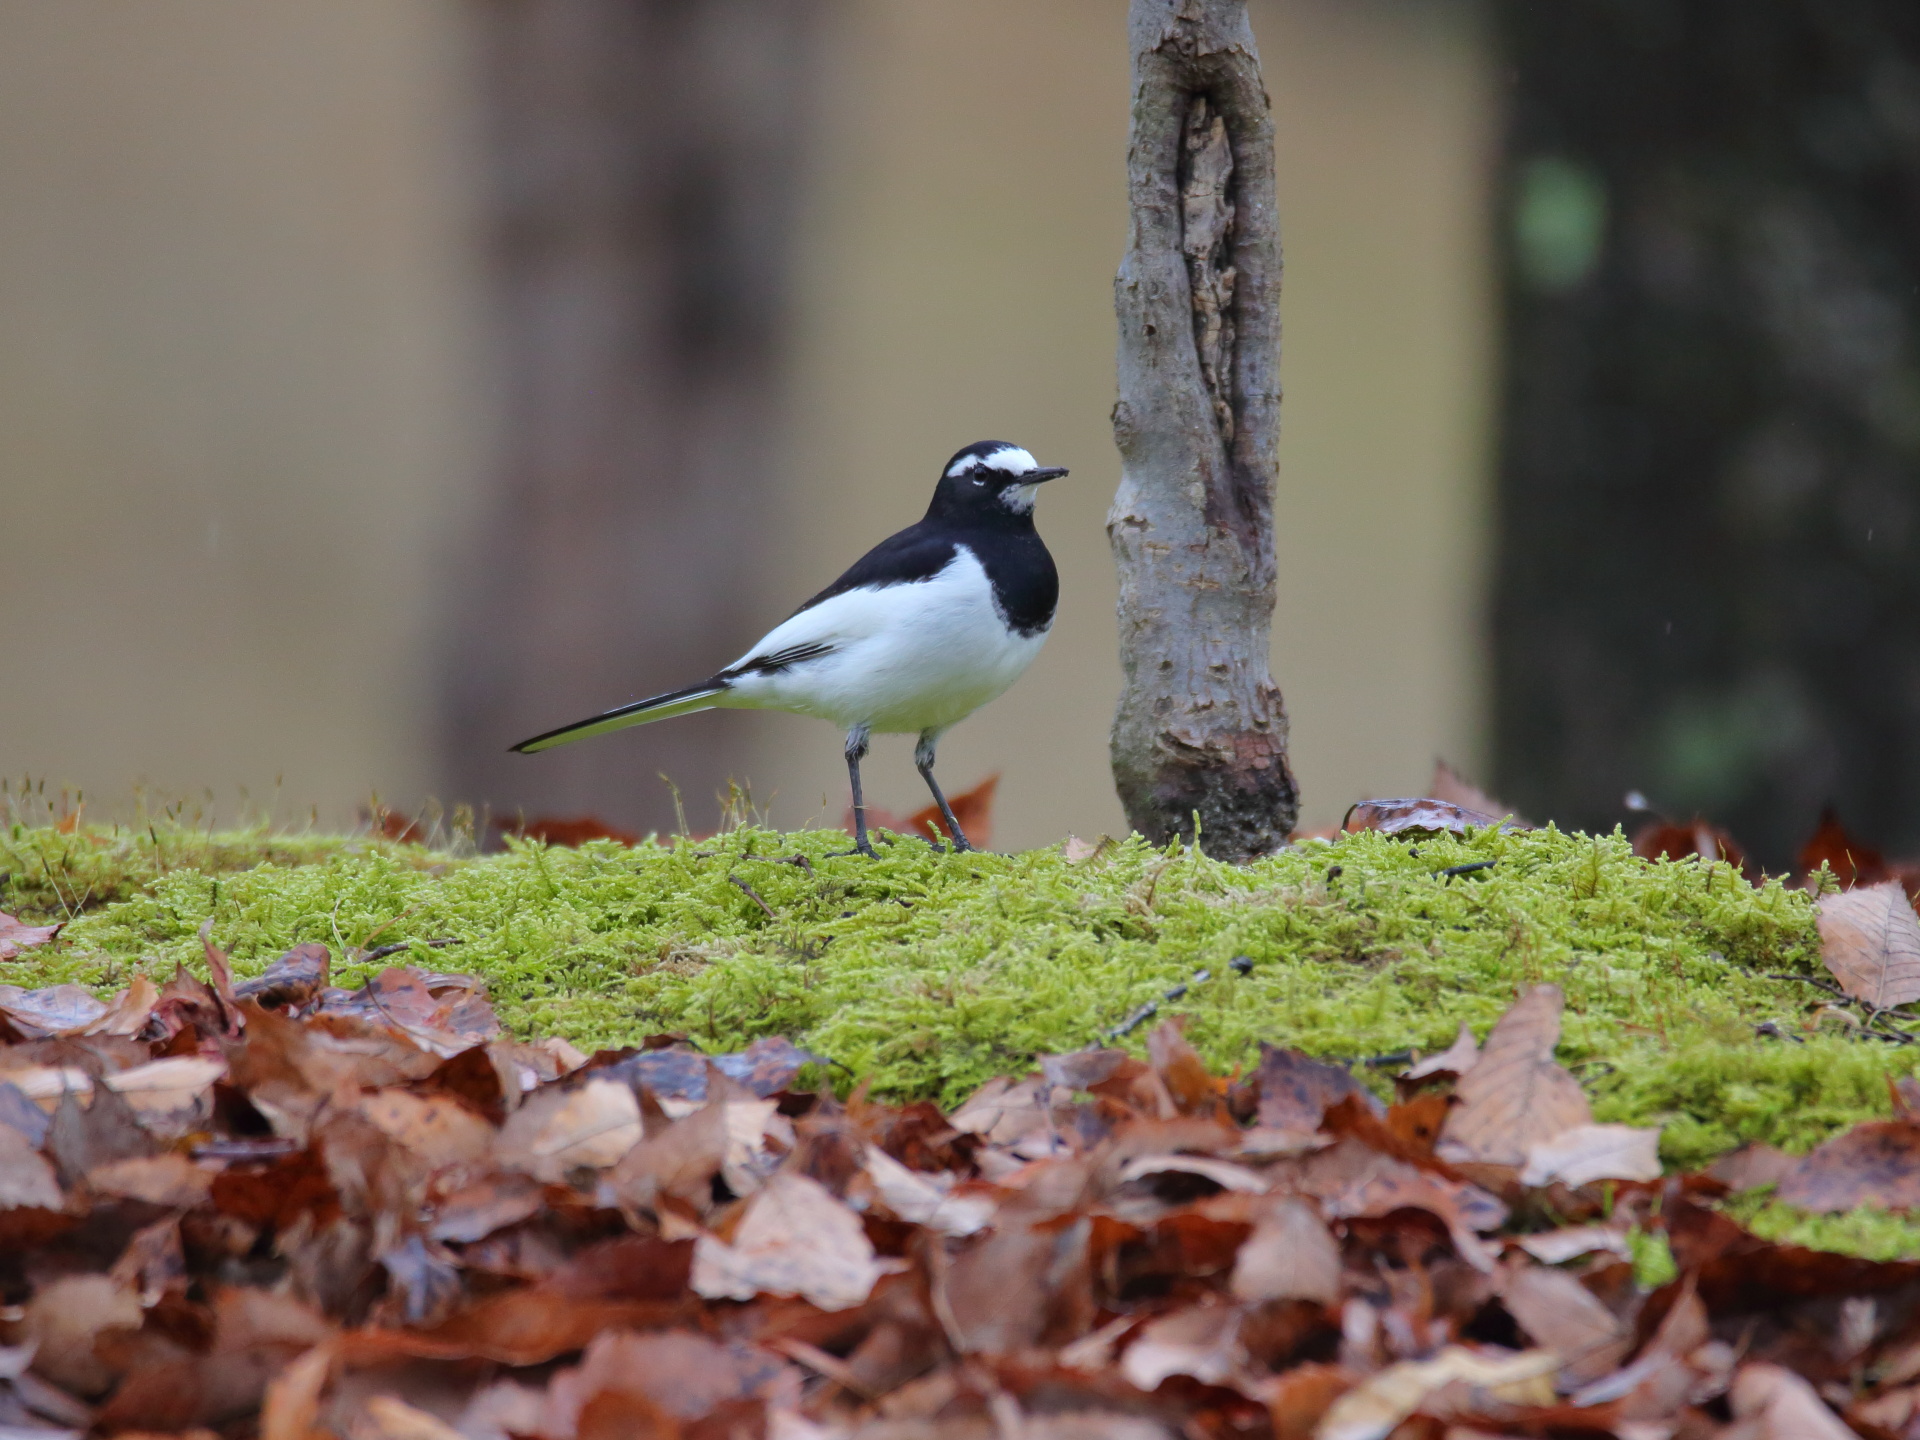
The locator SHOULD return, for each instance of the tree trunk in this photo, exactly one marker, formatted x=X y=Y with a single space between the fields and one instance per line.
x=643 y=156
x=1200 y=736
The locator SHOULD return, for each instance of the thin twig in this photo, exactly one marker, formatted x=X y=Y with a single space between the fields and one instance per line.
x=751 y=895
x=395 y=949
x=1831 y=987
x=1240 y=965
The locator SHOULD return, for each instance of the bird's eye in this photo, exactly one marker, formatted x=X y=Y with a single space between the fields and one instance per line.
x=978 y=481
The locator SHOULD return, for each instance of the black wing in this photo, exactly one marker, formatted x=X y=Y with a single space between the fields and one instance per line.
x=914 y=554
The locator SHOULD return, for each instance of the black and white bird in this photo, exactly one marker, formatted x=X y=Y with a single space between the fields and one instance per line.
x=927 y=627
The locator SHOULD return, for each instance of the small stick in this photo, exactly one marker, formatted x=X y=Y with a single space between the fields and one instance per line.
x=735 y=879
x=1831 y=987
x=1240 y=965
x=386 y=950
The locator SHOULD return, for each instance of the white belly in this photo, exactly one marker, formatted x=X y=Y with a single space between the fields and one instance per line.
x=908 y=658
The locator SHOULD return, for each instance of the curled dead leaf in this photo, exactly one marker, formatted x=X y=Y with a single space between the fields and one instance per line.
x=1415 y=815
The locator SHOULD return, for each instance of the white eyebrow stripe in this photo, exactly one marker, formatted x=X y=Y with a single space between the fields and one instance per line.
x=1008 y=458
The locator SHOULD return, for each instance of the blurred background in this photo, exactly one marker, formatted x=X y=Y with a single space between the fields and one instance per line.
x=384 y=381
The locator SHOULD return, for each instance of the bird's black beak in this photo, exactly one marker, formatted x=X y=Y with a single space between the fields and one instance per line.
x=1034 y=477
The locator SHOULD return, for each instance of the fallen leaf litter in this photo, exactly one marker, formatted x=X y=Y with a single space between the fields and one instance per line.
x=291 y=1209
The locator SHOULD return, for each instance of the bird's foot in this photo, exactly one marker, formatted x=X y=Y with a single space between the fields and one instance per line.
x=864 y=847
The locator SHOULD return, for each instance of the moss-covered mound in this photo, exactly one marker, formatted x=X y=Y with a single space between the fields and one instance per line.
x=929 y=972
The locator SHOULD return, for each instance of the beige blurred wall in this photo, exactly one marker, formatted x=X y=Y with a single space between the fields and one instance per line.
x=237 y=397
x=968 y=220
x=243 y=414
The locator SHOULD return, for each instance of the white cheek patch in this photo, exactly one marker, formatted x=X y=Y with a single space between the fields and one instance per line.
x=1019 y=498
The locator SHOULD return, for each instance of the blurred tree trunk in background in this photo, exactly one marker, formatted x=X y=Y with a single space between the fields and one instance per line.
x=643 y=158
x=1709 y=585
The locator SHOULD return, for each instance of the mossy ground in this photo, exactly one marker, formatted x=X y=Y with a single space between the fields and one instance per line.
x=928 y=972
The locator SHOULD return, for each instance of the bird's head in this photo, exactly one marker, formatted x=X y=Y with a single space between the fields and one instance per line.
x=991 y=478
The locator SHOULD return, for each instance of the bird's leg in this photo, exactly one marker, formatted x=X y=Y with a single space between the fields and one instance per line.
x=923 y=762
x=856 y=752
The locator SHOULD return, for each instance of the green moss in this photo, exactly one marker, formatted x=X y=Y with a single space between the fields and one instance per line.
x=1870 y=1233
x=1652 y=1256
x=930 y=972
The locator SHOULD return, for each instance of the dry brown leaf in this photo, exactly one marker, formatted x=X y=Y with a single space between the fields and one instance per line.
x=292 y=981
x=475 y=1211
x=1516 y=1096
x=1386 y=1185
x=1875 y=1163
x=168 y=1179
x=1078 y=851
x=439 y=1130
x=1587 y=1153
x=15 y=936
x=1752 y=1165
x=685 y=1376
x=26 y=1179
x=1661 y=839
x=163 y=1086
x=1456 y=1059
x=1180 y=1068
x=1562 y=1315
x=388 y=1417
x=1224 y=1173
x=219 y=968
x=1660 y=1378
x=1004 y=1111
x=1556 y=1247
x=1006 y=1291
x=593 y=1124
x=1291 y=1255
x=291 y=1410
x=55 y=1010
x=65 y=1319
x=1449 y=785
x=1296 y=1089
x=925 y=1199
x=1414 y=815
x=1202 y=1342
x=129 y=1011
x=1870 y=940
x=1772 y=1403
x=1372 y=1409
x=680 y=1161
x=796 y=1239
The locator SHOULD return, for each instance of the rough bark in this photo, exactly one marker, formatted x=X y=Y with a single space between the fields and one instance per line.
x=1200 y=735
x=643 y=166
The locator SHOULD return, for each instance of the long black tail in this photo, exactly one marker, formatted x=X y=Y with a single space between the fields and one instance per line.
x=641 y=712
